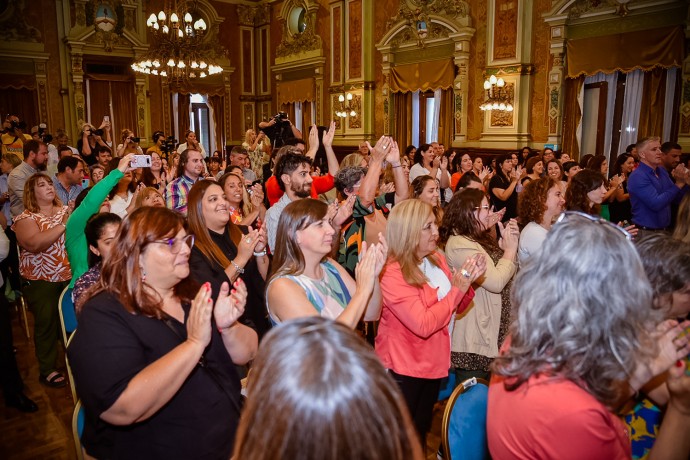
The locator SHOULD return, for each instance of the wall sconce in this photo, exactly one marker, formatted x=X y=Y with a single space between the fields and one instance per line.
x=497 y=97
x=344 y=109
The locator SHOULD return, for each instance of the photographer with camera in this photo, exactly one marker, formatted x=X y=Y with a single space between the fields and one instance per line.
x=162 y=145
x=13 y=136
x=130 y=144
x=40 y=134
x=93 y=140
x=279 y=129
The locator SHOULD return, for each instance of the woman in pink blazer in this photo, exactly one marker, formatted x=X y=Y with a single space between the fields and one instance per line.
x=420 y=297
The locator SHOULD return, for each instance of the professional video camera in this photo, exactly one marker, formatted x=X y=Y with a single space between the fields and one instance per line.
x=280 y=131
x=169 y=144
x=13 y=124
x=43 y=134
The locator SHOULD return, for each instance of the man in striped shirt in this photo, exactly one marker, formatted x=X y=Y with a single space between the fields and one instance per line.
x=189 y=171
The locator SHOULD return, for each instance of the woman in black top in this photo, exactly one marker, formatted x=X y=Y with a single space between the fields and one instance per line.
x=224 y=252
x=153 y=358
x=502 y=187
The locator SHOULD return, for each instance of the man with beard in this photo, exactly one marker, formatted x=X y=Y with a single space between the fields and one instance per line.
x=293 y=175
x=35 y=160
x=189 y=170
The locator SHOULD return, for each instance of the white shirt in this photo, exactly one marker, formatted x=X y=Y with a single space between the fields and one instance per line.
x=418 y=170
x=182 y=147
x=119 y=206
x=531 y=239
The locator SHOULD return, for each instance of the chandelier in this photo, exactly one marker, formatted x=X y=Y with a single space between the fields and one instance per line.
x=345 y=110
x=178 y=51
x=497 y=97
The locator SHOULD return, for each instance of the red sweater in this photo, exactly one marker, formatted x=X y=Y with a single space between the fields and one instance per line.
x=321 y=184
x=413 y=337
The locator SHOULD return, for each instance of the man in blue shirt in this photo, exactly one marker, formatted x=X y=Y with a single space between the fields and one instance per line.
x=652 y=190
x=68 y=180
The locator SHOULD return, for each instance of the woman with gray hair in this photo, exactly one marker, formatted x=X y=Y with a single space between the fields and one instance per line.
x=575 y=354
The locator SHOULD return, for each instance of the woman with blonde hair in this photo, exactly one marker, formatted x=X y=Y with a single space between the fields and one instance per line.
x=173 y=161
x=317 y=391
x=44 y=268
x=149 y=196
x=256 y=147
x=420 y=297
x=246 y=205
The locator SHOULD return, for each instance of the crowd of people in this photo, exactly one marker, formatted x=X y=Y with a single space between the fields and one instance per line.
x=565 y=284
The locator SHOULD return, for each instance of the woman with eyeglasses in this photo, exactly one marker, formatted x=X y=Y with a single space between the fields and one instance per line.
x=466 y=232
x=224 y=252
x=583 y=340
x=154 y=357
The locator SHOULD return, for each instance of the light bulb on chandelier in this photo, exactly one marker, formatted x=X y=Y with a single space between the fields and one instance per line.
x=178 y=40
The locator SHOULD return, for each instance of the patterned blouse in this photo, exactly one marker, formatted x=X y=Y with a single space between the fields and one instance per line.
x=329 y=295
x=50 y=264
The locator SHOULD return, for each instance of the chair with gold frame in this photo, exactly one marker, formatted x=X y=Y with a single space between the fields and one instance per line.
x=463 y=432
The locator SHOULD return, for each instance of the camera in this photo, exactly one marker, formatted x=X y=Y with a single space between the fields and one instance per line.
x=135 y=139
x=98 y=132
x=169 y=144
x=280 y=116
x=18 y=125
x=45 y=137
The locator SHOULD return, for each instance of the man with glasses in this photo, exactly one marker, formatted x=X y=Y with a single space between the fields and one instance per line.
x=652 y=190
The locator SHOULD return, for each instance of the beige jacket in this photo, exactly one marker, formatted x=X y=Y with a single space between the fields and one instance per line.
x=476 y=329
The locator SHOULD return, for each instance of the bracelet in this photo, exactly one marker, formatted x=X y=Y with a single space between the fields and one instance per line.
x=238 y=269
x=395 y=165
x=260 y=254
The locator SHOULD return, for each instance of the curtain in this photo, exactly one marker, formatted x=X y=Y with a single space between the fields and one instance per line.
x=98 y=96
x=446 y=118
x=216 y=104
x=296 y=90
x=611 y=82
x=572 y=115
x=631 y=109
x=423 y=76
x=652 y=105
x=672 y=77
x=123 y=103
x=402 y=116
x=415 y=119
x=437 y=113
x=307 y=120
x=183 y=103
x=628 y=51
x=23 y=103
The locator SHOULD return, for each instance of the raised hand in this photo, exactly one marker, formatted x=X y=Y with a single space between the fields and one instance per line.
x=328 y=135
x=245 y=249
x=199 y=320
x=344 y=211
x=313 y=138
x=510 y=235
x=380 y=150
x=485 y=172
x=365 y=271
x=471 y=269
x=443 y=163
x=230 y=304
x=393 y=155
x=261 y=240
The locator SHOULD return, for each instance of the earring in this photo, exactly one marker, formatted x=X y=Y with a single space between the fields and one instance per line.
x=143 y=274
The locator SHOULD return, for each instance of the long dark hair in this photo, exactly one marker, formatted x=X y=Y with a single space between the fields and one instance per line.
x=580 y=185
x=121 y=274
x=94 y=230
x=197 y=225
x=459 y=219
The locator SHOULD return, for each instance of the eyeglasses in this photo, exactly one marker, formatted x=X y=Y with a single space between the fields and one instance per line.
x=175 y=244
x=595 y=219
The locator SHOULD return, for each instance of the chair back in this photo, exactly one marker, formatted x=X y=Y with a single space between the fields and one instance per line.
x=78 y=429
x=447 y=386
x=68 y=315
x=70 y=378
x=464 y=421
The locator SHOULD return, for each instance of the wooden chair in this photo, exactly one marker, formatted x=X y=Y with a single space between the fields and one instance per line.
x=463 y=431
